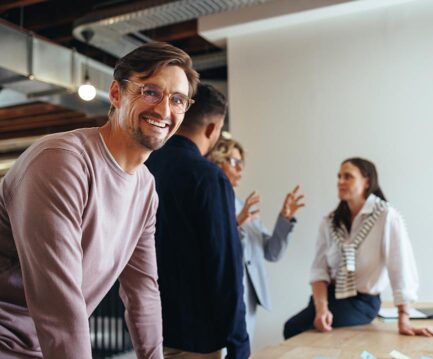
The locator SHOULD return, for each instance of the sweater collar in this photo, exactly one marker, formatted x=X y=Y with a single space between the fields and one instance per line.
x=184 y=142
x=368 y=206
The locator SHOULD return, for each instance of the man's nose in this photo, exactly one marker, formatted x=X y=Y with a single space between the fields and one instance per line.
x=163 y=107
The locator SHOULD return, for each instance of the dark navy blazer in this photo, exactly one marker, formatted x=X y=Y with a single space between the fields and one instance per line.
x=199 y=253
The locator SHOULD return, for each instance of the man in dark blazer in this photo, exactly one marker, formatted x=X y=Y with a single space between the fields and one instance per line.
x=198 y=250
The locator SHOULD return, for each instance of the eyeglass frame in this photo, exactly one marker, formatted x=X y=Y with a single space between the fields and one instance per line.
x=234 y=162
x=142 y=86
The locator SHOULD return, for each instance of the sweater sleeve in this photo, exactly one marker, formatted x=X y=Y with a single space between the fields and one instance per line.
x=45 y=207
x=276 y=244
x=140 y=294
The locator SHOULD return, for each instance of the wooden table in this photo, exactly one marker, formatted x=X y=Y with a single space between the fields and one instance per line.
x=378 y=338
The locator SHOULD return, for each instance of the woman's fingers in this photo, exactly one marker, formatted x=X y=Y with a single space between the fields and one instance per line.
x=252 y=199
x=426 y=332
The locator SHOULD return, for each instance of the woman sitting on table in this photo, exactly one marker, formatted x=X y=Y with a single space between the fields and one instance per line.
x=257 y=243
x=361 y=243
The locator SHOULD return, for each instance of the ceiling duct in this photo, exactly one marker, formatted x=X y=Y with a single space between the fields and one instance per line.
x=33 y=69
x=118 y=31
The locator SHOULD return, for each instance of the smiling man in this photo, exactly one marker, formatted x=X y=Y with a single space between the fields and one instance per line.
x=77 y=211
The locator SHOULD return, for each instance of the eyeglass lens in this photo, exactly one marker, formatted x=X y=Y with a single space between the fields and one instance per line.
x=179 y=103
x=234 y=162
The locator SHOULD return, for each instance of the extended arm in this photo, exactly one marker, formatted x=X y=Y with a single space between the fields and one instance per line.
x=402 y=272
x=140 y=294
x=274 y=245
x=45 y=208
x=323 y=318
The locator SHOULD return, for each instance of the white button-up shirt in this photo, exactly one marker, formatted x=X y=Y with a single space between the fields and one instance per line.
x=385 y=253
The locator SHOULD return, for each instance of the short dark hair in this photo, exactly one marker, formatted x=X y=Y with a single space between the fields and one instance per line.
x=149 y=58
x=208 y=102
x=342 y=215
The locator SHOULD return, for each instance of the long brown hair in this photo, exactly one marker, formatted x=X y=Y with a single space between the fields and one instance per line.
x=342 y=215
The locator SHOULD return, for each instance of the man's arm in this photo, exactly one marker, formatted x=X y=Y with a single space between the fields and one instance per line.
x=223 y=258
x=45 y=208
x=140 y=294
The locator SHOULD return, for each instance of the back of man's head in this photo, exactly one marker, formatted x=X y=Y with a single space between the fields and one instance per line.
x=209 y=102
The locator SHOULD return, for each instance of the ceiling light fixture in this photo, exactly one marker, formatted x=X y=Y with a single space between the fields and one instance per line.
x=87 y=91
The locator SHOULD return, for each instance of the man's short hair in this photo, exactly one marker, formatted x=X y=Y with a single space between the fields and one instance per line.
x=148 y=59
x=208 y=102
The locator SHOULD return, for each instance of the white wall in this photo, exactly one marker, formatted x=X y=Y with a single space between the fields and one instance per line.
x=305 y=97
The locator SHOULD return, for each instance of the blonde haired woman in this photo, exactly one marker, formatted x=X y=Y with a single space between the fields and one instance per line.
x=258 y=244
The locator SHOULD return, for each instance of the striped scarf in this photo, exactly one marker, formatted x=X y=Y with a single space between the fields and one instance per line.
x=345 y=284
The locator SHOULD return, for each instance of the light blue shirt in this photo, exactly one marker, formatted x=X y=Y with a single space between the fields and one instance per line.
x=259 y=245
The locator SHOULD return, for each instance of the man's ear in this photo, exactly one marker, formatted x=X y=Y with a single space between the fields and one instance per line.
x=210 y=128
x=115 y=94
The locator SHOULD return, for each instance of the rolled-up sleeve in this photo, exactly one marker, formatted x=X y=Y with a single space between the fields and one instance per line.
x=400 y=260
x=319 y=268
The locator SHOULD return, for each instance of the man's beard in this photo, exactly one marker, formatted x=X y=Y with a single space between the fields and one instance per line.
x=150 y=142
x=147 y=141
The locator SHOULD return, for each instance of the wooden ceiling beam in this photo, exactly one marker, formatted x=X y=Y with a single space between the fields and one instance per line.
x=39 y=121
x=8 y=113
x=88 y=122
x=56 y=15
x=14 y=4
x=174 y=32
x=195 y=45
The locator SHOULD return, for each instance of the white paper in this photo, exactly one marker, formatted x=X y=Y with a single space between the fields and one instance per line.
x=391 y=313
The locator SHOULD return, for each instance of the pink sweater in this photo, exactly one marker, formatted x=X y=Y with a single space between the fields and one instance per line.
x=71 y=223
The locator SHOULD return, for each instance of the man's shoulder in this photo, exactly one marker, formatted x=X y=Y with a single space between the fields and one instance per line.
x=71 y=140
x=206 y=170
x=76 y=142
x=174 y=159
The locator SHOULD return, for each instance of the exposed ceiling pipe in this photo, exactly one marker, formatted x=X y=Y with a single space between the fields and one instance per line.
x=37 y=69
x=118 y=31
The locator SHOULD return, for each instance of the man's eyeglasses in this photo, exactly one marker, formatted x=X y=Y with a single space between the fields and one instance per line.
x=153 y=95
x=234 y=162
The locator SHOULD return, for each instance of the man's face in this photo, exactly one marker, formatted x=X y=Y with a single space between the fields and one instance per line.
x=151 y=125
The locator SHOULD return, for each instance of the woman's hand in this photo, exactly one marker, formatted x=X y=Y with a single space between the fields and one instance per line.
x=323 y=320
x=405 y=328
x=292 y=203
x=246 y=214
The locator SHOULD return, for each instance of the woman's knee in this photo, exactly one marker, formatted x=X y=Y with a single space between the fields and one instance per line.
x=298 y=324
